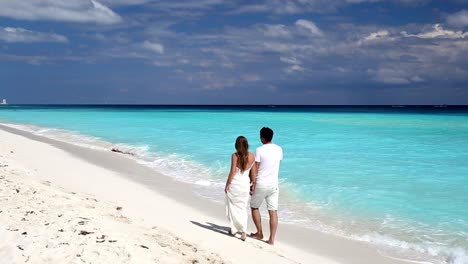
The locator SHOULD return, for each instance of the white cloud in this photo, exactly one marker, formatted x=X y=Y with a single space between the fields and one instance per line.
x=162 y=63
x=278 y=47
x=213 y=81
x=379 y=35
x=310 y=26
x=183 y=61
x=405 y=2
x=200 y=4
x=205 y=63
x=156 y=47
x=290 y=6
x=276 y=31
x=391 y=80
x=397 y=1
x=308 y=6
x=290 y=60
x=438 y=32
x=251 y=77
x=360 y=1
x=250 y=9
x=80 y=11
x=394 y=76
x=459 y=19
x=125 y=2
x=416 y=79
x=294 y=68
x=342 y=70
x=10 y=34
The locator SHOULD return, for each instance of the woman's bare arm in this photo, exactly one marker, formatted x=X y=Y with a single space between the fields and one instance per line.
x=231 y=172
x=253 y=176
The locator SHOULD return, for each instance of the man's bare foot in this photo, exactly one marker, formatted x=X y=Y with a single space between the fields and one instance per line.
x=271 y=242
x=256 y=235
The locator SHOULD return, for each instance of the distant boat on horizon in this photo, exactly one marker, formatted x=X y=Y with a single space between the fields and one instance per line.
x=4 y=102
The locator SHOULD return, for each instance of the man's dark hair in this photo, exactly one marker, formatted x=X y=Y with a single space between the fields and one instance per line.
x=266 y=133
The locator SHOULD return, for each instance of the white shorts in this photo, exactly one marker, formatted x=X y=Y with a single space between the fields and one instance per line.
x=268 y=193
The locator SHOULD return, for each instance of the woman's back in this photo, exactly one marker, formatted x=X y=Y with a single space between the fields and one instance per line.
x=249 y=164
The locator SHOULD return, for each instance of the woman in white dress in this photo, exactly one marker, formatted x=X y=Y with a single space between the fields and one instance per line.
x=238 y=186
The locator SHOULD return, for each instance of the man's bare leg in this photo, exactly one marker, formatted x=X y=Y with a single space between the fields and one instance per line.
x=273 y=225
x=257 y=219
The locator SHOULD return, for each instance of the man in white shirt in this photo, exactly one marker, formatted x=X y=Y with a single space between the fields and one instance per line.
x=265 y=186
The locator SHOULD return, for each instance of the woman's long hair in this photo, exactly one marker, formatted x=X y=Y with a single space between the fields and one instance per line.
x=242 y=148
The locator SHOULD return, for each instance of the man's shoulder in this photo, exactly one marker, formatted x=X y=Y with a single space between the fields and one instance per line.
x=277 y=146
x=260 y=147
x=269 y=147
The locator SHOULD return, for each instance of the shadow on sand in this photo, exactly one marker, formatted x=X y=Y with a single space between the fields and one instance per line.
x=213 y=227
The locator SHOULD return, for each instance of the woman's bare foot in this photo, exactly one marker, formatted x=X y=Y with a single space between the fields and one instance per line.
x=256 y=235
x=271 y=242
x=243 y=236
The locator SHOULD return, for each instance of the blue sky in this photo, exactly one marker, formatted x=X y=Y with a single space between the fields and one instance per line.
x=234 y=52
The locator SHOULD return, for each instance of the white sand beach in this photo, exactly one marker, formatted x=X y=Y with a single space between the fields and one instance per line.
x=61 y=203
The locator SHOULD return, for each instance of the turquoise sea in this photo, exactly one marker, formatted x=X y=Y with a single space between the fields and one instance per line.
x=394 y=177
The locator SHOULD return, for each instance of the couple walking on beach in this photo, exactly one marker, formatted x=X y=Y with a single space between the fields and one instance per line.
x=255 y=176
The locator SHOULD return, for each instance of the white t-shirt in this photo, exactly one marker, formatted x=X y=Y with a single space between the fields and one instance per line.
x=269 y=156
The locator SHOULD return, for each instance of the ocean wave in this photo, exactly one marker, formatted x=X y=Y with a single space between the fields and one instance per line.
x=174 y=165
x=391 y=246
x=62 y=135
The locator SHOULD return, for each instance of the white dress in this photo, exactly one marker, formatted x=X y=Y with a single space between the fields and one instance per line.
x=237 y=199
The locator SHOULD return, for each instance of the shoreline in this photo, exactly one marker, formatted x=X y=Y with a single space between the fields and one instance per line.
x=303 y=244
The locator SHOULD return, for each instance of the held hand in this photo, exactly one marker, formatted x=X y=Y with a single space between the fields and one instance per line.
x=252 y=189
x=226 y=189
